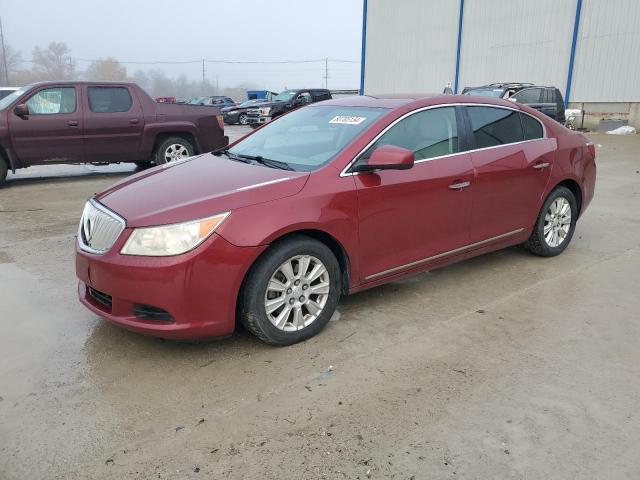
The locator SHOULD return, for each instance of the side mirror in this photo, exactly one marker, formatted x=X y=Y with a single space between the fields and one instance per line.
x=21 y=110
x=387 y=157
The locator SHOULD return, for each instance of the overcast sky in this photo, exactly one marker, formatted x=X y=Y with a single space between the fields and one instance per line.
x=162 y=30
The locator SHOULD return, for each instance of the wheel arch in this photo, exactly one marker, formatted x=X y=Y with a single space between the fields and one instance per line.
x=574 y=186
x=162 y=136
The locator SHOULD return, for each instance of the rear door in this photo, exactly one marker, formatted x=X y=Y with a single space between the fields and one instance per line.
x=114 y=123
x=52 y=132
x=512 y=161
x=407 y=217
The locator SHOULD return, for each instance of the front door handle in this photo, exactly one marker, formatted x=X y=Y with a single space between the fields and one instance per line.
x=134 y=121
x=72 y=123
x=459 y=185
x=541 y=165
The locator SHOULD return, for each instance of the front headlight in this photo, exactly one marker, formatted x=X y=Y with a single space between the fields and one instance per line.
x=167 y=240
x=265 y=110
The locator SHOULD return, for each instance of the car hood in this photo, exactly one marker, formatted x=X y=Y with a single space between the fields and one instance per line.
x=198 y=187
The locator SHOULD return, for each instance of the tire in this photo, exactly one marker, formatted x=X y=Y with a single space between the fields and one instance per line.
x=172 y=149
x=4 y=169
x=243 y=119
x=293 y=314
x=559 y=227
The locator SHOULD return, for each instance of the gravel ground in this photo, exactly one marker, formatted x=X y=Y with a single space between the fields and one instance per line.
x=507 y=366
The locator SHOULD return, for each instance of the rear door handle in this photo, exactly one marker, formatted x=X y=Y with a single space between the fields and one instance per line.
x=459 y=185
x=134 y=121
x=72 y=123
x=541 y=165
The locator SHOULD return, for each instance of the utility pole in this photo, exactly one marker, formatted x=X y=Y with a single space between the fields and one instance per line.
x=203 y=71
x=4 y=56
x=326 y=72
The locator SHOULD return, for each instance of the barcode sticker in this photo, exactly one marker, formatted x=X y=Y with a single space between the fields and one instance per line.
x=347 y=120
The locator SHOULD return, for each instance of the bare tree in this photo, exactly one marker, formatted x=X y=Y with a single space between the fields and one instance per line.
x=13 y=61
x=53 y=62
x=106 y=70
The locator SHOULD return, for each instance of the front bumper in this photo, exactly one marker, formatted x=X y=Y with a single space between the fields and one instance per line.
x=258 y=120
x=198 y=289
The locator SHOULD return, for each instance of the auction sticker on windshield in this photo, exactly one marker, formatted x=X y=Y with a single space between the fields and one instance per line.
x=347 y=120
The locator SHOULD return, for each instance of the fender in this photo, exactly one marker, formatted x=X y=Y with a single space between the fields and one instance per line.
x=151 y=132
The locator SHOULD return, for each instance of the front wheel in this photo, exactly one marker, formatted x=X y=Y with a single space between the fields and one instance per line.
x=4 y=169
x=243 y=119
x=555 y=224
x=172 y=149
x=291 y=292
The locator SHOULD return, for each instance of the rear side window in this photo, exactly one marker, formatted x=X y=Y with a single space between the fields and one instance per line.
x=429 y=133
x=494 y=126
x=529 y=95
x=52 y=101
x=109 y=99
x=531 y=127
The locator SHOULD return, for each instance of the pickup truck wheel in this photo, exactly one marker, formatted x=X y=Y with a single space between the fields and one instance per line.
x=242 y=119
x=3 y=170
x=172 y=149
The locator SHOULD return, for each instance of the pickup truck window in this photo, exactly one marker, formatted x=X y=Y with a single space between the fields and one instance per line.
x=52 y=101
x=109 y=99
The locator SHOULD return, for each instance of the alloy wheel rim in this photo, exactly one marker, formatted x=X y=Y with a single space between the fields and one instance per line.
x=297 y=293
x=243 y=119
x=557 y=222
x=175 y=151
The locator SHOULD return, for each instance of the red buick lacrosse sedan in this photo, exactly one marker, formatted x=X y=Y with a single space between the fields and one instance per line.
x=328 y=200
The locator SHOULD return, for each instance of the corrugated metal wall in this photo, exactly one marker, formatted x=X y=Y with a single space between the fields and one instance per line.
x=516 y=41
x=411 y=45
x=607 y=64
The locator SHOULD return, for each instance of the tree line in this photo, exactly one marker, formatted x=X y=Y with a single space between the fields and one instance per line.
x=55 y=62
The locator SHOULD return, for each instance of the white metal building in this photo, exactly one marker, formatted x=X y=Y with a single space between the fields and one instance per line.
x=589 y=49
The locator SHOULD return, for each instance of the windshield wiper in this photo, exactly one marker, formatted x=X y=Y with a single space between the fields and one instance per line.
x=231 y=156
x=268 y=162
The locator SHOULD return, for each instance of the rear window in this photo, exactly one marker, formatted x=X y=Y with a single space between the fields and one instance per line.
x=109 y=99
x=494 y=126
x=529 y=95
x=532 y=128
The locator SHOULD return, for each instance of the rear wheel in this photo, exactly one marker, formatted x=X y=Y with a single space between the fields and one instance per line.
x=172 y=149
x=4 y=169
x=291 y=292
x=555 y=224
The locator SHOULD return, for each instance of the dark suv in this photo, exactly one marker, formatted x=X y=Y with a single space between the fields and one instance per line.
x=548 y=100
x=284 y=102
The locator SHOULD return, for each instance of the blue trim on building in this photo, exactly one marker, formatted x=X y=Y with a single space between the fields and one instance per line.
x=574 y=42
x=364 y=45
x=459 y=47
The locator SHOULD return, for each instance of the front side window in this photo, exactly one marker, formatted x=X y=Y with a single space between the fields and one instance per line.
x=52 y=101
x=428 y=134
x=529 y=95
x=494 y=126
x=284 y=96
x=109 y=99
x=531 y=127
x=309 y=137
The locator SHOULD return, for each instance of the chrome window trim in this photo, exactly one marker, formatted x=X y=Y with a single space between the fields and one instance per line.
x=346 y=173
x=443 y=254
x=98 y=206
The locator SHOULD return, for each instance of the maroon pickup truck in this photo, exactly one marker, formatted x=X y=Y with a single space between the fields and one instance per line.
x=90 y=122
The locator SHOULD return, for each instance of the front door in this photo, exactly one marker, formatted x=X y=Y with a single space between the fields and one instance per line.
x=52 y=132
x=406 y=217
x=512 y=160
x=113 y=124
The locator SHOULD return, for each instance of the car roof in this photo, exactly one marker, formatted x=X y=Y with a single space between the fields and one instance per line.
x=413 y=100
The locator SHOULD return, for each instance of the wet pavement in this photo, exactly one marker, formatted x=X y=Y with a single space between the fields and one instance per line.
x=504 y=366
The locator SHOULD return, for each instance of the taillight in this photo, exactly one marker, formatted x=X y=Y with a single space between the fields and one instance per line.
x=592 y=150
x=220 y=121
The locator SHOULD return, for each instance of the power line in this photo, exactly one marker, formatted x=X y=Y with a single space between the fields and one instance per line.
x=232 y=62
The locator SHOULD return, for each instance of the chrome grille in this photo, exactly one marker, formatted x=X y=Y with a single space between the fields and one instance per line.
x=99 y=228
x=253 y=111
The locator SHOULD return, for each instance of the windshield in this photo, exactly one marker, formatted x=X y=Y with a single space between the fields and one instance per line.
x=249 y=103
x=8 y=100
x=284 y=96
x=308 y=138
x=486 y=92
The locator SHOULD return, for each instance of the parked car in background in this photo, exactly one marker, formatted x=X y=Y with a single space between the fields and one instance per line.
x=5 y=91
x=165 y=99
x=284 y=102
x=331 y=199
x=238 y=113
x=106 y=122
x=548 y=100
x=213 y=101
